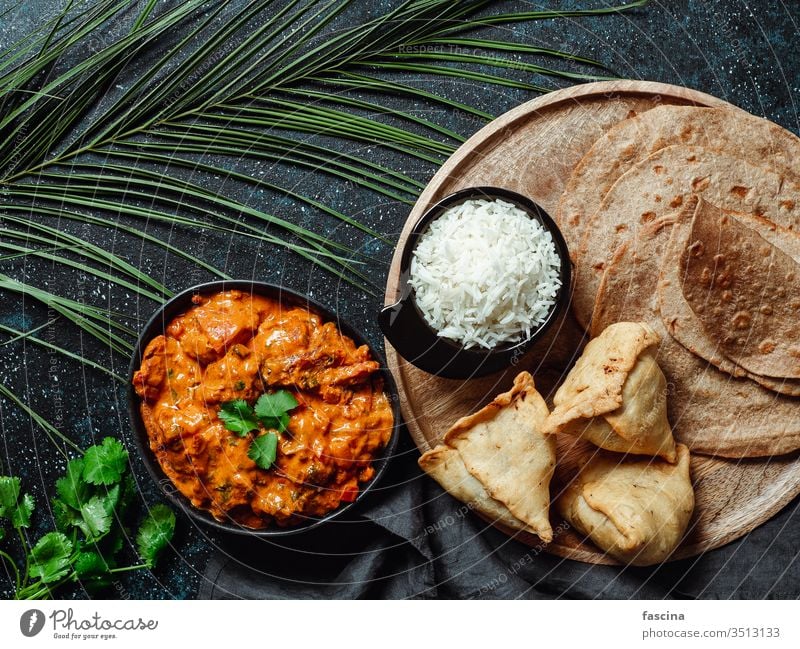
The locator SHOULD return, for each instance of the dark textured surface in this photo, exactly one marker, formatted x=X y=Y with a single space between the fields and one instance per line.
x=746 y=53
x=417 y=542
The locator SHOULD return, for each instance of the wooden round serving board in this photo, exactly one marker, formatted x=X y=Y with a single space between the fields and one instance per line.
x=532 y=150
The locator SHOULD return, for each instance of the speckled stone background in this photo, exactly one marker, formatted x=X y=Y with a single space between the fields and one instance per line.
x=743 y=51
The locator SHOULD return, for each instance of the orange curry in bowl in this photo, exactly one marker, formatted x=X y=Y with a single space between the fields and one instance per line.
x=233 y=347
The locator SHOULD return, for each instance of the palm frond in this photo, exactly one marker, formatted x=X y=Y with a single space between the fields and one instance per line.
x=144 y=126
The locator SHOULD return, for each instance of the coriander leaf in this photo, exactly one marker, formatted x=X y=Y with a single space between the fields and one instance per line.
x=127 y=495
x=104 y=464
x=271 y=423
x=97 y=516
x=72 y=488
x=272 y=409
x=111 y=499
x=9 y=492
x=17 y=511
x=65 y=517
x=284 y=422
x=89 y=564
x=113 y=543
x=155 y=533
x=22 y=517
x=263 y=450
x=238 y=417
x=50 y=557
x=276 y=423
x=2 y=534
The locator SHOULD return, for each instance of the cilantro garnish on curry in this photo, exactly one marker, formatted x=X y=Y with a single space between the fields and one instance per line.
x=271 y=412
x=262 y=412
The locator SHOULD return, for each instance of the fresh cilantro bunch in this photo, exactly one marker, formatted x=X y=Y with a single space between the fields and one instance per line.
x=91 y=504
x=271 y=412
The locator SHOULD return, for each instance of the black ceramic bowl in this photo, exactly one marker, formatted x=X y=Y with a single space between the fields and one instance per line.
x=405 y=327
x=156 y=326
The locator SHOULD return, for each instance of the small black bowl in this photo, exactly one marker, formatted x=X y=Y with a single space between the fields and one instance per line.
x=180 y=304
x=406 y=329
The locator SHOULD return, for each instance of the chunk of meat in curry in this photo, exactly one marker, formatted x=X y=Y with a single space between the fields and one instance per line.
x=236 y=346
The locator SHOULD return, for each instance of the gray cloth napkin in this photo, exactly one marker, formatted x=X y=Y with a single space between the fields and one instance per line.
x=409 y=539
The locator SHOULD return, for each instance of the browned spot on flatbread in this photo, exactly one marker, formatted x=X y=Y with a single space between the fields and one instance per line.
x=741 y=320
x=657 y=144
x=742 y=273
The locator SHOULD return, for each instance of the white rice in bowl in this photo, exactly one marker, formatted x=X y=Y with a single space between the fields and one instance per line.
x=485 y=273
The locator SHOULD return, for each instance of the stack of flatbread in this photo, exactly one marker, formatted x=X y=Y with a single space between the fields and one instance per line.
x=687 y=219
x=499 y=462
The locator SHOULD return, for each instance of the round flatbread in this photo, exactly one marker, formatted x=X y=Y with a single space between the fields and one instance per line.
x=710 y=411
x=745 y=291
x=676 y=313
x=730 y=131
x=656 y=188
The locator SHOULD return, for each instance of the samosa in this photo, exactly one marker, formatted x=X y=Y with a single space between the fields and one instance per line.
x=503 y=448
x=636 y=510
x=616 y=394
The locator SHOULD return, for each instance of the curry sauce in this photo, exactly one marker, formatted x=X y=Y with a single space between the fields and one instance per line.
x=234 y=345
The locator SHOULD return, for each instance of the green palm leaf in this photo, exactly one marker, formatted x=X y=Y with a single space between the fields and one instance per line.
x=84 y=142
